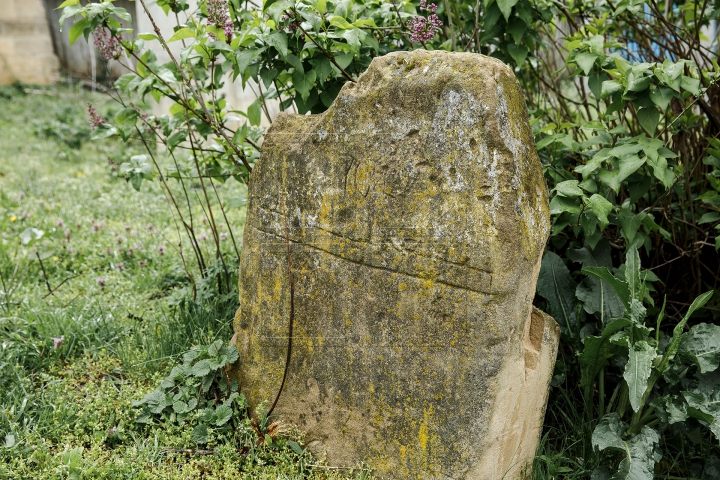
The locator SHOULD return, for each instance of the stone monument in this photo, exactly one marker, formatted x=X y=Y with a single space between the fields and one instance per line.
x=416 y=214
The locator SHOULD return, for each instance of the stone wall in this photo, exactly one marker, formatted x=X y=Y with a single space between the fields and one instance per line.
x=26 y=49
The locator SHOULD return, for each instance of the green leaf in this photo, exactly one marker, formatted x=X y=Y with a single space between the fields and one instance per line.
x=597 y=351
x=608 y=433
x=632 y=272
x=253 y=113
x=701 y=345
x=10 y=438
x=176 y=138
x=649 y=118
x=596 y=295
x=609 y=87
x=637 y=371
x=586 y=61
x=691 y=85
x=182 y=34
x=624 y=168
x=516 y=28
x=295 y=447
x=303 y=82
x=704 y=402
x=506 y=8
x=619 y=286
x=244 y=57
x=560 y=204
x=123 y=82
x=200 y=434
x=709 y=217
x=557 y=287
x=295 y=62
x=200 y=369
x=126 y=116
x=77 y=30
x=223 y=414
x=640 y=450
x=601 y=207
x=279 y=41
x=661 y=97
x=517 y=52
x=569 y=188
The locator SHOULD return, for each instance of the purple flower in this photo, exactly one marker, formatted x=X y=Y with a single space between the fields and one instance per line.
x=223 y=236
x=60 y=223
x=161 y=249
x=57 y=342
x=95 y=119
x=101 y=281
x=424 y=29
x=120 y=265
x=67 y=234
x=142 y=263
x=108 y=251
x=150 y=226
x=21 y=195
x=202 y=237
x=219 y=16
x=107 y=45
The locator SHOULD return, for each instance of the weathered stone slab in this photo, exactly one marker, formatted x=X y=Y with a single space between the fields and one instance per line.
x=417 y=214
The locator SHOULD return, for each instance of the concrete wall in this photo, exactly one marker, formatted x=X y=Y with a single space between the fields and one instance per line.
x=26 y=49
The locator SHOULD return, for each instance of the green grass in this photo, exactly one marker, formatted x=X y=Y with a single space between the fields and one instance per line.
x=117 y=296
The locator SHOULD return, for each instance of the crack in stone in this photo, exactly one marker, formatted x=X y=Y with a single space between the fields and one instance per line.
x=379 y=267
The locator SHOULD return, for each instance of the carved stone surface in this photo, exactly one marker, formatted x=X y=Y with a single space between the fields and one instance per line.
x=417 y=214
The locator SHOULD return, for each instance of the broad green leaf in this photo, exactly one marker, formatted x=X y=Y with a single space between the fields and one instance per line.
x=704 y=401
x=619 y=286
x=253 y=113
x=176 y=138
x=340 y=22
x=608 y=433
x=649 y=117
x=279 y=41
x=517 y=52
x=506 y=8
x=516 y=28
x=637 y=371
x=702 y=346
x=126 y=116
x=640 y=450
x=560 y=204
x=200 y=434
x=123 y=82
x=295 y=62
x=624 y=168
x=691 y=85
x=77 y=30
x=709 y=217
x=601 y=207
x=557 y=287
x=182 y=34
x=596 y=295
x=303 y=82
x=586 y=61
x=223 y=414
x=597 y=351
x=200 y=369
x=609 y=87
x=641 y=456
x=569 y=188
x=661 y=97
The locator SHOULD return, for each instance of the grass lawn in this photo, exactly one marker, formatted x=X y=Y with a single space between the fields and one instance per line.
x=105 y=312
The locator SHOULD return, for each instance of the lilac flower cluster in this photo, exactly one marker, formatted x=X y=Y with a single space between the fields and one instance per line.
x=424 y=29
x=219 y=15
x=108 y=46
x=95 y=119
